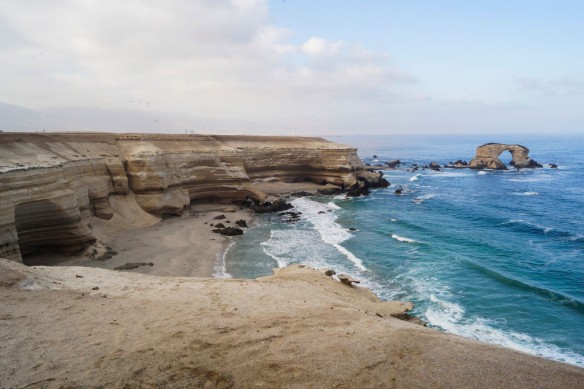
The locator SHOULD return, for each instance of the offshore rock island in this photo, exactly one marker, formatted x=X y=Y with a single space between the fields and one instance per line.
x=487 y=157
x=81 y=326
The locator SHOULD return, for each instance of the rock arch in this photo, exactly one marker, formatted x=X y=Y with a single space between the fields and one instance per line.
x=487 y=157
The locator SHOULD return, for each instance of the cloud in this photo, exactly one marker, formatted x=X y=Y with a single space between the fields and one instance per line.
x=561 y=87
x=217 y=59
x=317 y=46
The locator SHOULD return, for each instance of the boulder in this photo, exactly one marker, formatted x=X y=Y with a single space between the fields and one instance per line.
x=459 y=164
x=229 y=231
x=241 y=223
x=374 y=179
x=393 y=164
x=328 y=272
x=276 y=206
x=330 y=191
x=347 y=280
x=133 y=265
x=434 y=166
x=219 y=225
x=360 y=188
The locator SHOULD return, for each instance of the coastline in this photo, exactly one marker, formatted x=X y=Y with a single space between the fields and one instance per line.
x=181 y=245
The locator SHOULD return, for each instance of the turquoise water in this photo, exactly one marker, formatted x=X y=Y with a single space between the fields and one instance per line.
x=493 y=256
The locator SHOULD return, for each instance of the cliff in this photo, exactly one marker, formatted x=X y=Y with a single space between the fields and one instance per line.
x=487 y=157
x=51 y=184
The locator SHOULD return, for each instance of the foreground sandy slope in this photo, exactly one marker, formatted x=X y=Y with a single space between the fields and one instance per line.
x=68 y=327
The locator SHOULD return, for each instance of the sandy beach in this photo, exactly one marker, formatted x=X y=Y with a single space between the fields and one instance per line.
x=179 y=246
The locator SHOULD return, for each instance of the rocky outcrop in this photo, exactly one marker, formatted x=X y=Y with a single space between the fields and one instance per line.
x=393 y=164
x=487 y=157
x=52 y=184
x=434 y=166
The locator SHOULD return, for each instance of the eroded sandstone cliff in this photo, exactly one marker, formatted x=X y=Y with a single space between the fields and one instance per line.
x=51 y=184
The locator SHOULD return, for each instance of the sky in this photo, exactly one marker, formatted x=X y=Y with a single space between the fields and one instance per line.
x=319 y=67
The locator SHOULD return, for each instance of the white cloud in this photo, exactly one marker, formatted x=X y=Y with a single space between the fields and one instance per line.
x=560 y=87
x=317 y=46
x=246 y=5
x=220 y=60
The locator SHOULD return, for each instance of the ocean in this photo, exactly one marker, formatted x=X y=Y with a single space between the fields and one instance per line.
x=496 y=256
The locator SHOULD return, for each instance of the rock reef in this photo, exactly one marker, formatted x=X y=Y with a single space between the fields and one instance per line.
x=52 y=184
x=487 y=157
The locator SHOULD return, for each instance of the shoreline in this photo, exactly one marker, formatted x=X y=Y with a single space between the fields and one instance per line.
x=177 y=246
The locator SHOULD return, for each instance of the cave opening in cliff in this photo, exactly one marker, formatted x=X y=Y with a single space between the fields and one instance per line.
x=43 y=229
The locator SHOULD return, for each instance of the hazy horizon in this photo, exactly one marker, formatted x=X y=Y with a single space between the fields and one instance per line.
x=292 y=67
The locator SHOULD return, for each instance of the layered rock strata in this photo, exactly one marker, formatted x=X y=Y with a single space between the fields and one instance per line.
x=51 y=184
x=487 y=157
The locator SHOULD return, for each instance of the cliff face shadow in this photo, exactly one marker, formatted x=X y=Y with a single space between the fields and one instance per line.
x=45 y=226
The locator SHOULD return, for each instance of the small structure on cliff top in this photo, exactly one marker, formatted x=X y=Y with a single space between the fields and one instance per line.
x=487 y=157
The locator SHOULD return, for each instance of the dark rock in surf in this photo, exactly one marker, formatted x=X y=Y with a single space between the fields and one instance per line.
x=276 y=206
x=360 y=188
x=434 y=166
x=330 y=191
x=393 y=164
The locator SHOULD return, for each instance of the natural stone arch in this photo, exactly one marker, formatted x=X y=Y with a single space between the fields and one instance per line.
x=487 y=157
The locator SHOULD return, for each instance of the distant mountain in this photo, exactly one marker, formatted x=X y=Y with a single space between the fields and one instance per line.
x=16 y=118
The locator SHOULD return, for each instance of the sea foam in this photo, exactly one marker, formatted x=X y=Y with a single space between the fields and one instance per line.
x=451 y=317
x=220 y=268
x=402 y=239
x=325 y=223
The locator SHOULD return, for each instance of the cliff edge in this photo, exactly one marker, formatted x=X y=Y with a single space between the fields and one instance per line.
x=80 y=327
x=52 y=184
